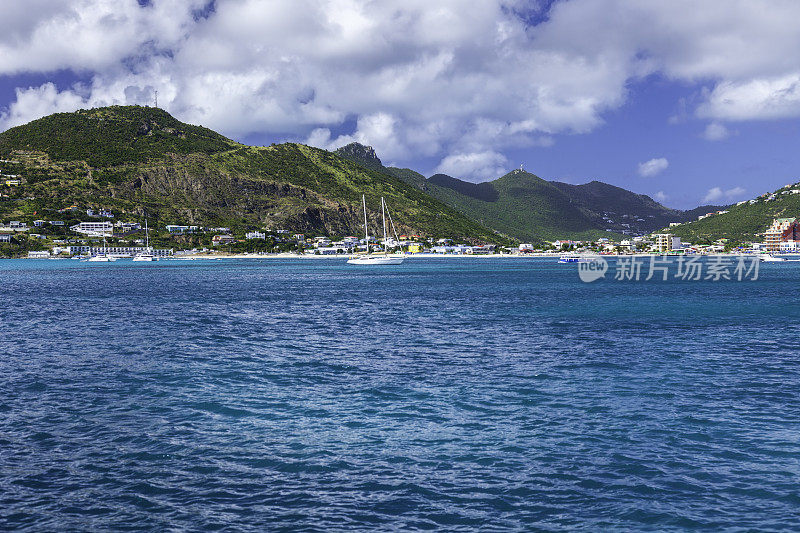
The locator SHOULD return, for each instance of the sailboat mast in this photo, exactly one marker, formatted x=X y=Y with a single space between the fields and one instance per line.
x=366 y=232
x=146 y=235
x=383 y=214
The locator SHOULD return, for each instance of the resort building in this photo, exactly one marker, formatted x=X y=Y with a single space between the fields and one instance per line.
x=782 y=230
x=255 y=235
x=5 y=237
x=666 y=242
x=119 y=251
x=94 y=229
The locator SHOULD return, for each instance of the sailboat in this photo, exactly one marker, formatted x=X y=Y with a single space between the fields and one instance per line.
x=376 y=259
x=147 y=254
x=103 y=257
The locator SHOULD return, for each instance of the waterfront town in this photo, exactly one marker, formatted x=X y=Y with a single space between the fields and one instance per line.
x=104 y=234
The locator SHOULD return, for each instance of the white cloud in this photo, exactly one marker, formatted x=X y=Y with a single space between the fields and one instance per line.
x=754 y=99
x=37 y=102
x=653 y=167
x=660 y=197
x=716 y=194
x=416 y=77
x=716 y=132
x=477 y=167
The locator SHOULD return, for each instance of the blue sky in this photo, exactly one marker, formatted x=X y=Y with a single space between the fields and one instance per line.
x=688 y=102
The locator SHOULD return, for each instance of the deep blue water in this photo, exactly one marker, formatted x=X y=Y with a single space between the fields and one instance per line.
x=441 y=394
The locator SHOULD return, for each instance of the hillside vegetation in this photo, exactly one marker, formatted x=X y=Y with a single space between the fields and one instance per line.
x=140 y=161
x=529 y=208
x=745 y=222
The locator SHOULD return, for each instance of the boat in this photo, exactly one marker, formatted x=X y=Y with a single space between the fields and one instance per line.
x=147 y=254
x=771 y=258
x=571 y=258
x=104 y=257
x=376 y=259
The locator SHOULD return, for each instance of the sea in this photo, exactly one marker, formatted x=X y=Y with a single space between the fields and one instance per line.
x=442 y=394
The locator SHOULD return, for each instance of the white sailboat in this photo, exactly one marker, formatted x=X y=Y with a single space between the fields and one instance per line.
x=103 y=257
x=147 y=254
x=376 y=259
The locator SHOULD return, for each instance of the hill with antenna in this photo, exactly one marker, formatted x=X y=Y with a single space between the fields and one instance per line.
x=527 y=207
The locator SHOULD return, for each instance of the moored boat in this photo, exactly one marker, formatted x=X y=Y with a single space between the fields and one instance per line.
x=376 y=259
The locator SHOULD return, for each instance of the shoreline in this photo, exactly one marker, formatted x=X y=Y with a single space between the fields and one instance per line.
x=541 y=255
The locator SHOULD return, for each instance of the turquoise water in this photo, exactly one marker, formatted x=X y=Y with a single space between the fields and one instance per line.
x=443 y=394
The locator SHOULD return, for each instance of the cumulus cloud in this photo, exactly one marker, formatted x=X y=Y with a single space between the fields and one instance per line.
x=415 y=77
x=716 y=194
x=716 y=132
x=36 y=102
x=477 y=167
x=653 y=167
x=660 y=197
x=754 y=99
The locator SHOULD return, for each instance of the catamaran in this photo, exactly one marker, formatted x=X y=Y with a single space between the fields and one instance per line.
x=377 y=259
x=147 y=254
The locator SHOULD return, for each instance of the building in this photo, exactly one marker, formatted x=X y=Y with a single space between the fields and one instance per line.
x=666 y=242
x=526 y=248
x=5 y=237
x=218 y=240
x=126 y=227
x=782 y=230
x=255 y=235
x=180 y=230
x=94 y=229
x=119 y=251
x=44 y=254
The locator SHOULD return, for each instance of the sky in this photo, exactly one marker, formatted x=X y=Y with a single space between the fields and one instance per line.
x=689 y=102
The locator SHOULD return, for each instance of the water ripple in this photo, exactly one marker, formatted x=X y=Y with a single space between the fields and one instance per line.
x=443 y=395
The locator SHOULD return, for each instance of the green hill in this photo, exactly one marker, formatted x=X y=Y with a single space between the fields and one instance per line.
x=519 y=204
x=746 y=221
x=139 y=160
x=529 y=208
x=111 y=136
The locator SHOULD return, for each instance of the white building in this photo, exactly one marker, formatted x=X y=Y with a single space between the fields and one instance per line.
x=120 y=251
x=44 y=254
x=255 y=235
x=94 y=229
x=180 y=230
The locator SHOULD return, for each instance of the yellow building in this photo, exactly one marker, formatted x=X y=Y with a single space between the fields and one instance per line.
x=663 y=242
x=772 y=237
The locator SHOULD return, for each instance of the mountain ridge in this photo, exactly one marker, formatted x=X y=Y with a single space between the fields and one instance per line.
x=526 y=206
x=137 y=160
